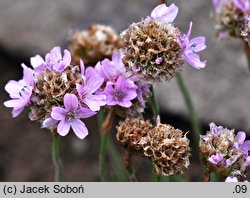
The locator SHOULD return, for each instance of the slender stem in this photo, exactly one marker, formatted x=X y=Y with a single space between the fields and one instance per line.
x=191 y=110
x=119 y=171
x=207 y=176
x=102 y=151
x=56 y=159
x=247 y=52
x=129 y=166
x=154 y=104
x=102 y=160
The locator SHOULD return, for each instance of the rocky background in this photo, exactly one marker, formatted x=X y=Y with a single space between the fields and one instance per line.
x=220 y=91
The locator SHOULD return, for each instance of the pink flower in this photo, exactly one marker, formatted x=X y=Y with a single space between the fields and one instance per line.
x=243 y=5
x=70 y=117
x=111 y=70
x=121 y=93
x=190 y=49
x=53 y=61
x=20 y=91
x=87 y=90
x=215 y=159
x=164 y=13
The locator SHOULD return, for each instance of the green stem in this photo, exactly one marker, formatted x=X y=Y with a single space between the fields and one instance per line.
x=114 y=154
x=154 y=104
x=56 y=159
x=191 y=110
x=102 y=160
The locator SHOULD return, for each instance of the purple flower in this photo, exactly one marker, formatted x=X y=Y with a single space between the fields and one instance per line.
x=214 y=129
x=87 y=90
x=158 y=61
x=164 y=13
x=231 y=179
x=70 y=117
x=121 y=93
x=243 y=5
x=20 y=91
x=215 y=159
x=190 y=49
x=49 y=123
x=38 y=63
x=55 y=61
x=111 y=70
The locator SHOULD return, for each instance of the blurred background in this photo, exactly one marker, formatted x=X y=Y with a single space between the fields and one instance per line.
x=220 y=92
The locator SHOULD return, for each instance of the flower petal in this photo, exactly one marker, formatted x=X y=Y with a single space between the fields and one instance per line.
x=58 y=113
x=82 y=67
x=95 y=101
x=197 y=44
x=66 y=58
x=49 y=122
x=215 y=159
x=85 y=112
x=16 y=111
x=70 y=102
x=36 y=61
x=63 y=127
x=241 y=136
x=164 y=13
x=79 y=128
x=28 y=75
x=94 y=81
x=246 y=146
x=194 y=60
x=124 y=103
x=13 y=88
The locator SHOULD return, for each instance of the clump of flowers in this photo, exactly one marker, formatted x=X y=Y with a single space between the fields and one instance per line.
x=164 y=145
x=94 y=44
x=154 y=48
x=124 y=91
x=225 y=153
x=58 y=94
x=232 y=18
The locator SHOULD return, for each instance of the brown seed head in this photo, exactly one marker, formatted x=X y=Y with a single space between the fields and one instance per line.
x=94 y=44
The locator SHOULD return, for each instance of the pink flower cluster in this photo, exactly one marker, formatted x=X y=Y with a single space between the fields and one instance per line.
x=106 y=84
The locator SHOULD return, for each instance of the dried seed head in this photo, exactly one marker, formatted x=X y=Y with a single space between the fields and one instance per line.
x=50 y=89
x=163 y=144
x=229 y=19
x=168 y=149
x=94 y=44
x=221 y=152
x=152 y=50
x=130 y=133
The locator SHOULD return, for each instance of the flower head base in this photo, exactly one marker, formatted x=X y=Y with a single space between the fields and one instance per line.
x=154 y=49
x=225 y=153
x=94 y=44
x=164 y=145
x=58 y=94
